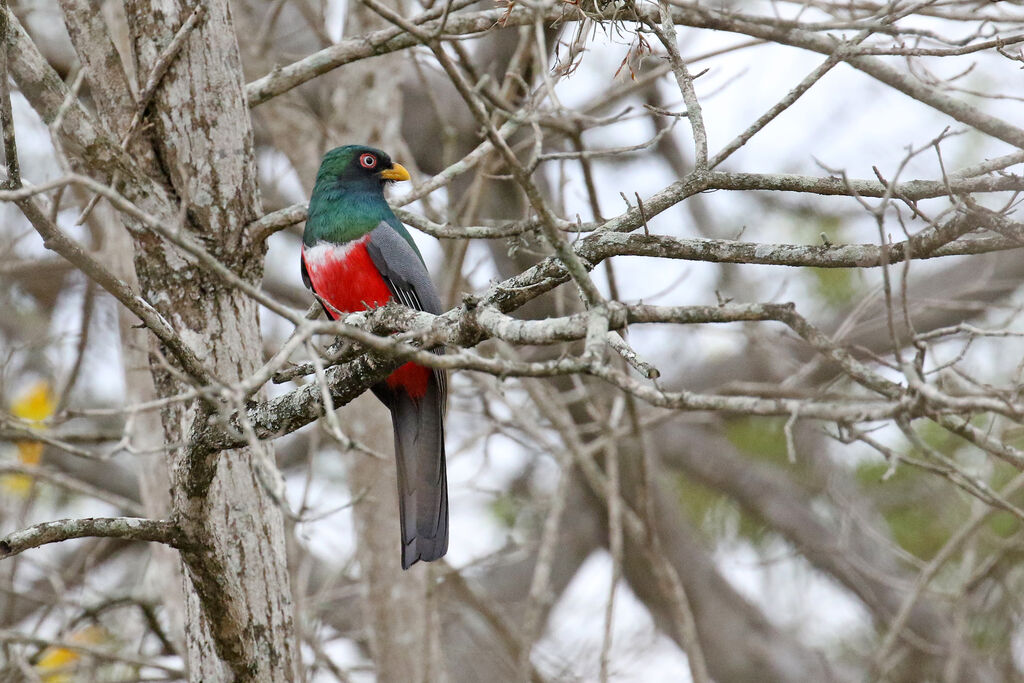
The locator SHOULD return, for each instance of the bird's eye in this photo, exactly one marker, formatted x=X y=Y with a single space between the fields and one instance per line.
x=368 y=161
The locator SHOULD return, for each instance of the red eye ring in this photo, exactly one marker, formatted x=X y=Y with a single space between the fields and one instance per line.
x=368 y=160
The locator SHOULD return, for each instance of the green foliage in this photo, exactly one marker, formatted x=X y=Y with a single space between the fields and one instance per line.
x=938 y=437
x=920 y=512
x=506 y=509
x=835 y=285
x=763 y=438
x=721 y=517
x=696 y=498
x=1003 y=524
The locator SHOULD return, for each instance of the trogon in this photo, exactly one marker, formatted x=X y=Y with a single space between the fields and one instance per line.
x=357 y=255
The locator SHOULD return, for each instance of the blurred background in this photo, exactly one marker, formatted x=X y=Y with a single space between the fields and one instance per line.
x=804 y=549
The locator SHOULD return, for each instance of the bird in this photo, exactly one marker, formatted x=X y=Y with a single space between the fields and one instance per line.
x=356 y=255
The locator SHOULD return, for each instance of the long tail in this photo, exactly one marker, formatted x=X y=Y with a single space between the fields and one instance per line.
x=422 y=479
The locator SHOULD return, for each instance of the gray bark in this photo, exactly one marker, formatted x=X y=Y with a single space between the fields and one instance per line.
x=239 y=613
x=198 y=154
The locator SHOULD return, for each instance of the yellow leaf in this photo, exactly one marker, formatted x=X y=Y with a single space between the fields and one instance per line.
x=36 y=404
x=58 y=662
x=16 y=484
x=30 y=452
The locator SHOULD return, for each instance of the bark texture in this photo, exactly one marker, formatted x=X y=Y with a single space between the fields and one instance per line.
x=760 y=427
x=240 y=617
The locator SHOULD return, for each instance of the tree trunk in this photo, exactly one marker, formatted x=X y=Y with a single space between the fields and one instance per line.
x=239 y=600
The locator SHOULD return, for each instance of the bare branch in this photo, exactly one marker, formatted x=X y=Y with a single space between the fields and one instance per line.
x=54 y=239
x=128 y=528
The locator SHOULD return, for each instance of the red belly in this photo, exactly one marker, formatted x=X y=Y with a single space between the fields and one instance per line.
x=348 y=280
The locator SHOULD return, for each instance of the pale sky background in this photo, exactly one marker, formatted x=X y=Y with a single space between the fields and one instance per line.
x=847 y=121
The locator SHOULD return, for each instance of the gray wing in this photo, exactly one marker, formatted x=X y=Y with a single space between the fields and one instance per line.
x=418 y=423
x=407 y=278
x=404 y=272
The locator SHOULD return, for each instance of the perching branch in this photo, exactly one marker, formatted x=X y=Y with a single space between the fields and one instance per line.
x=498 y=134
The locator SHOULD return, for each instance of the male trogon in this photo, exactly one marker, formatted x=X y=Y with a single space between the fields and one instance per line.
x=357 y=255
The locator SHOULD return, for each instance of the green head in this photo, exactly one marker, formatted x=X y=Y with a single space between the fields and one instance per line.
x=348 y=197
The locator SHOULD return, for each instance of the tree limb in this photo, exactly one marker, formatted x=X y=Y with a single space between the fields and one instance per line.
x=128 y=528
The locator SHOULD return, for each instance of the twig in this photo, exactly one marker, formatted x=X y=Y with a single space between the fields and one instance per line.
x=667 y=35
x=91 y=650
x=54 y=238
x=932 y=568
x=629 y=355
x=615 y=541
x=156 y=75
x=548 y=223
x=73 y=485
x=160 y=67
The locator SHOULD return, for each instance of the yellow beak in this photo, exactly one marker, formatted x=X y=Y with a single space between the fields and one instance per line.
x=396 y=172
